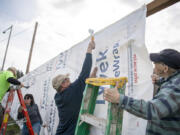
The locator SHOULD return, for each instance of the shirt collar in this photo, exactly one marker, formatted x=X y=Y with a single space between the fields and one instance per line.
x=171 y=76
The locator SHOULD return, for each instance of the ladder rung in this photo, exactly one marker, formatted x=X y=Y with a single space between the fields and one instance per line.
x=94 y=121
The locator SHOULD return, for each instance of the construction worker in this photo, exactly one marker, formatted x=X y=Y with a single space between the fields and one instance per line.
x=69 y=95
x=163 y=111
x=7 y=78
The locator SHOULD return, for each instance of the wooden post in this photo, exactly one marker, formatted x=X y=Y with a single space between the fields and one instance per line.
x=31 y=49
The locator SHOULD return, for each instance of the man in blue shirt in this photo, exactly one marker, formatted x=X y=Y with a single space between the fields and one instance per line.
x=69 y=95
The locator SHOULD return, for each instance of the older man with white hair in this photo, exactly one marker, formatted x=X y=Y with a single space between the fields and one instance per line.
x=163 y=111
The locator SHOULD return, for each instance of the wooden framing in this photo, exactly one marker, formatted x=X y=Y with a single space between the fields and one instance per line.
x=158 y=5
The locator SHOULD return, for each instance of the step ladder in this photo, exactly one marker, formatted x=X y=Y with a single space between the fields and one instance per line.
x=8 y=109
x=113 y=124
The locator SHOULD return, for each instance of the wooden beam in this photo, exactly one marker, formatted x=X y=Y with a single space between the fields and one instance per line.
x=157 y=5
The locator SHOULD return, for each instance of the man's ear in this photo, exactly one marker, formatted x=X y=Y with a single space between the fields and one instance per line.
x=166 y=68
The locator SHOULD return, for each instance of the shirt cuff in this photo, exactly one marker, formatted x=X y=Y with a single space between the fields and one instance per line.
x=89 y=54
x=123 y=101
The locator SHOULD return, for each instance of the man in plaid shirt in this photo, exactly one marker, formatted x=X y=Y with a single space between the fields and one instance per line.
x=163 y=111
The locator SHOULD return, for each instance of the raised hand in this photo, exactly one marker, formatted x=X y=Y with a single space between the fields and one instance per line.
x=91 y=46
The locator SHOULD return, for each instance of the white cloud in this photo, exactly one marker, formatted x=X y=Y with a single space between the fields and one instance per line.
x=66 y=22
x=162 y=31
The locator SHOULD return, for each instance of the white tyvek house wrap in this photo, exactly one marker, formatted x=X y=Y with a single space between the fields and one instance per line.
x=120 y=51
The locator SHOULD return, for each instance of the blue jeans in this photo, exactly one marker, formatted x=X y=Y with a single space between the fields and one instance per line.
x=36 y=128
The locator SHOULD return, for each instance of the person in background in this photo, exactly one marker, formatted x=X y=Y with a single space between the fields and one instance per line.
x=33 y=113
x=163 y=111
x=6 y=78
x=69 y=95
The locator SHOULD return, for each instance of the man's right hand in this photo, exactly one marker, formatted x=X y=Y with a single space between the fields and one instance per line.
x=154 y=78
x=91 y=46
x=21 y=85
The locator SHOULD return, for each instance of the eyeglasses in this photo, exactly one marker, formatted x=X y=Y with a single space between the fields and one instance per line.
x=66 y=79
x=26 y=98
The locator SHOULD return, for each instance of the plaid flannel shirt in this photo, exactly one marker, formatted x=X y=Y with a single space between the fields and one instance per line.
x=162 y=112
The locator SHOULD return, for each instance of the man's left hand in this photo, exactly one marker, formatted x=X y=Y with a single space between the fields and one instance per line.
x=93 y=74
x=112 y=94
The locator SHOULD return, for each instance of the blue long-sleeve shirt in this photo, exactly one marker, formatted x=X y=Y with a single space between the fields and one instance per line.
x=68 y=102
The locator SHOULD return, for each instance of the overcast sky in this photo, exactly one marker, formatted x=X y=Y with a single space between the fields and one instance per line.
x=63 y=23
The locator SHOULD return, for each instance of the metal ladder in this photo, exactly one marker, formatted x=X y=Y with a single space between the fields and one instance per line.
x=8 y=109
x=113 y=124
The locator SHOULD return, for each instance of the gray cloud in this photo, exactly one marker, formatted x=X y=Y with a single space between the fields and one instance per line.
x=174 y=9
x=175 y=44
x=132 y=3
x=66 y=3
x=72 y=7
x=174 y=16
x=175 y=21
x=21 y=10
